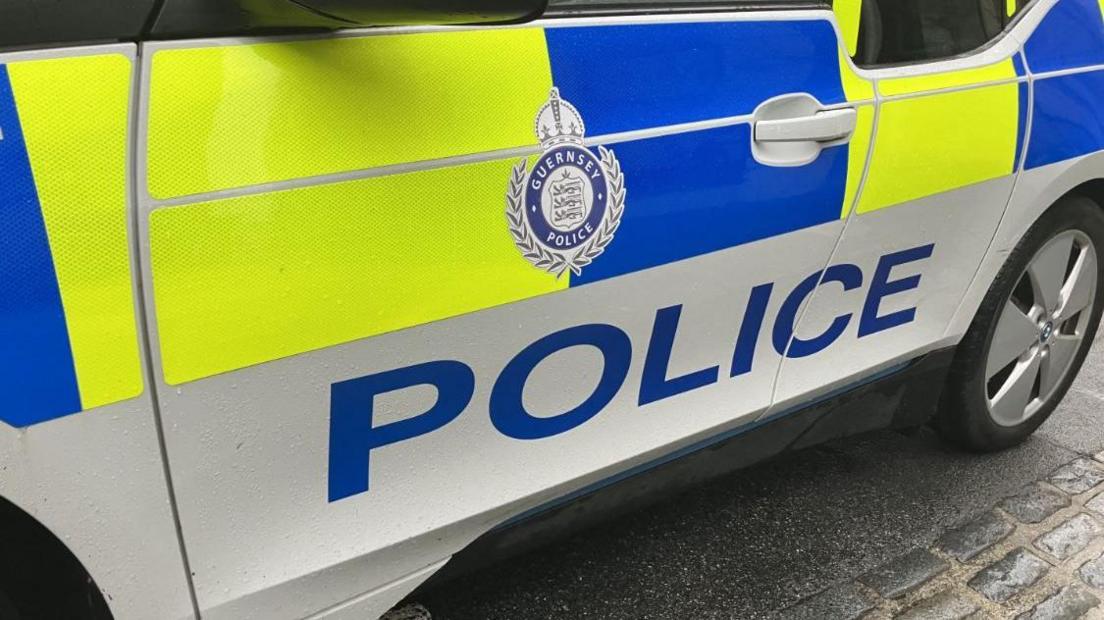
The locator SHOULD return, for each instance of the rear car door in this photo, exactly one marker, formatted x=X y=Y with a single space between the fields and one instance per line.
x=952 y=118
x=385 y=316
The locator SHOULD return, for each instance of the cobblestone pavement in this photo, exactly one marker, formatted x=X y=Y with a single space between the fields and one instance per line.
x=874 y=527
x=1038 y=555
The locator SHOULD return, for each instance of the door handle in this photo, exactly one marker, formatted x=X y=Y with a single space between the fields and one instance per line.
x=825 y=126
x=792 y=130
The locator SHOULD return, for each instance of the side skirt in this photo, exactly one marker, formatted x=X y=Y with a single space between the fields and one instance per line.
x=904 y=399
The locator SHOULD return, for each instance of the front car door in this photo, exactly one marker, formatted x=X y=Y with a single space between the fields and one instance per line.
x=405 y=285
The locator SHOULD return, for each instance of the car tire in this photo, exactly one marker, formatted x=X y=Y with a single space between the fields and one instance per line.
x=981 y=404
x=8 y=610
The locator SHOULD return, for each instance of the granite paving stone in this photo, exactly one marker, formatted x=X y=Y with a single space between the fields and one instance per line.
x=1096 y=504
x=904 y=574
x=1035 y=503
x=1069 y=603
x=947 y=605
x=967 y=541
x=1078 y=476
x=1092 y=572
x=1009 y=575
x=1070 y=537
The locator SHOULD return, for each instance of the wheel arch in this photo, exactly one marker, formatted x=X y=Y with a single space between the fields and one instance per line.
x=1036 y=191
x=1092 y=189
x=39 y=574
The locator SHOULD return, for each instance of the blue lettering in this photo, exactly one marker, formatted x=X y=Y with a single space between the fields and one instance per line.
x=850 y=276
x=352 y=436
x=654 y=384
x=881 y=287
x=508 y=413
x=750 y=328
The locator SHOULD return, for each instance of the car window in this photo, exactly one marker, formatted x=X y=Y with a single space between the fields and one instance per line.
x=59 y=22
x=636 y=6
x=908 y=31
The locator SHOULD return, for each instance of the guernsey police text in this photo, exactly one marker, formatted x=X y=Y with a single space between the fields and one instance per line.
x=353 y=437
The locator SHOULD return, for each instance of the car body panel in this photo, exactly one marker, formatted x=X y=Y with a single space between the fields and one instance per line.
x=903 y=324
x=70 y=303
x=945 y=152
x=314 y=250
x=79 y=445
x=674 y=140
x=230 y=497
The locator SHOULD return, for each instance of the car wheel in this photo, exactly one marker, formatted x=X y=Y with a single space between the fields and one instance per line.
x=8 y=610
x=1031 y=334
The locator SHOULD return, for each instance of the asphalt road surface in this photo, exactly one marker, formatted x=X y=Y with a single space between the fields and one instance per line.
x=758 y=540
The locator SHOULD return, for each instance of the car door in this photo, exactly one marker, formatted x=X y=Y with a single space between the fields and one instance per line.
x=952 y=118
x=385 y=316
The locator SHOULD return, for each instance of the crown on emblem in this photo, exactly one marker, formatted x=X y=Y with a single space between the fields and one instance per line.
x=559 y=122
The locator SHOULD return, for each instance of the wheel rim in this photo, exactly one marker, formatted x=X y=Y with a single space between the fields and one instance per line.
x=1041 y=328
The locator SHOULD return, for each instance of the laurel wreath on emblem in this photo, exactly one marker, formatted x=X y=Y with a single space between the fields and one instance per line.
x=553 y=262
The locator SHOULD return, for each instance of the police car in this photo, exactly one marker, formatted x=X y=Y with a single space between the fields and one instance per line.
x=304 y=301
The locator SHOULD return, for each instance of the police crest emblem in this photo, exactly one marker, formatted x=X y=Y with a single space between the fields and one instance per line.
x=565 y=210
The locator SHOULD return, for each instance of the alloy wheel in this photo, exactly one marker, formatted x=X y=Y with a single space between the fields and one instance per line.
x=1041 y=328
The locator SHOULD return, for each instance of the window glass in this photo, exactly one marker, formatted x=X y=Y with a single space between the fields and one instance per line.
x=26 y=23
x=630 y=6
x=904 y=31
x=1015 y=6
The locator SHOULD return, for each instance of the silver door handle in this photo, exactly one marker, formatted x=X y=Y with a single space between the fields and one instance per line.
x=826 y=126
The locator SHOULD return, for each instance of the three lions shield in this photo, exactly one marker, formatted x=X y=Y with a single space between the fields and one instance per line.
x=564 y=211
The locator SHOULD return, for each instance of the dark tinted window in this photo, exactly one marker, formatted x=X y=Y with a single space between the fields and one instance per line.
x=647 y=6
x=40 y=23
x=904 y=31
x=205 y=18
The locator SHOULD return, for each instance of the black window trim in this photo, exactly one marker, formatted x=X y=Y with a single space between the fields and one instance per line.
x=608 y=9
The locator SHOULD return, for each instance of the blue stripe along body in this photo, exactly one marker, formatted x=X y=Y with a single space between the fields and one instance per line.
x=38 y=381
x=623 y=78
x=1068 y=118
x=1070 y=36
x=694 y=193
